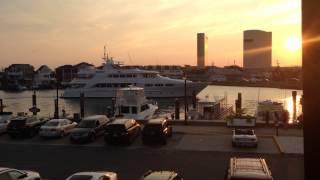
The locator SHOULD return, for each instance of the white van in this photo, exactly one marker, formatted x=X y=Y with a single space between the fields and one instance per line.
x=248 y=169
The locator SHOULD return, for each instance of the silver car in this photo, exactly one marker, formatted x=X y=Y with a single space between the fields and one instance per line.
x=93 y=176
x=9 y=174
x=244 y=137
x=4 y=121
x=57 y=128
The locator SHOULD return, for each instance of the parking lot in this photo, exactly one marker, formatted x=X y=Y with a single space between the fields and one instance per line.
x=179 y=141
x=195 y=155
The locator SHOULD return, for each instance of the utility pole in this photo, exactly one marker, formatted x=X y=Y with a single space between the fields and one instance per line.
x=185 y=100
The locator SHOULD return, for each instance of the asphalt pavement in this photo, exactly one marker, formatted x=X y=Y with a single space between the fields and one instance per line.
x=196 y=157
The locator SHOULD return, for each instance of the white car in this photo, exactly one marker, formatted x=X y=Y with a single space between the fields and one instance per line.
x=244 y=137
x=4 y=121
x=13 y=174
x=93 y=176
x=161 y=175
x=57 y=128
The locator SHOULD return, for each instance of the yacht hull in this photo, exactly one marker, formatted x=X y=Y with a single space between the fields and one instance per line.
x=155 y=92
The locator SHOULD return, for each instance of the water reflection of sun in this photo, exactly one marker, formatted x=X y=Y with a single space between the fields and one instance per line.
x=288 y=105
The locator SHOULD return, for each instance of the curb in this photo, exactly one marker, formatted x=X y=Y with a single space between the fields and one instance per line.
x=278 y=145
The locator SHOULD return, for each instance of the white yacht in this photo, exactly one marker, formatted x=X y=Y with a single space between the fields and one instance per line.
x=104 y=82
x=132 y=103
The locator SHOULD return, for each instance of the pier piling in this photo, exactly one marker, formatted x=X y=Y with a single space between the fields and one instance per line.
x=177 y=109
x=113 y=105
x=34 y=108
x=1 y=106
x=239 y=104
x=56 y=109
x=82 y=105
x=294 y=97
x=34 y=102
x=194 y=100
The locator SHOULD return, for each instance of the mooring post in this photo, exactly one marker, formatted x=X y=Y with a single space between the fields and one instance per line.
x=57 y=97
x=194 y=100
x=239 y=104
x=56 y=110
x=34 y=103
x=113 y=105
x=177 y=109
x=82 y=105
x=185 y=102
x=1 y=106
x=294 y=97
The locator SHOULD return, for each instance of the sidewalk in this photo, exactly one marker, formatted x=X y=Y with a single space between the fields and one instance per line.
x=211 y=130
x=290 y=144
x=289 y=141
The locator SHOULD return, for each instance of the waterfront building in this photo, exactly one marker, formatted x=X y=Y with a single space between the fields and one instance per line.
x=202 y=50
x=257 y=49
x=2 y=75
x=19 y=75
x=227 y=73
x=44 y=78
x=67 y=73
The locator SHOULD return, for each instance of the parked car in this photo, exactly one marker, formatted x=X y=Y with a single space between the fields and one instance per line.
x=93 y=176
x=248 y=168
x=122 y=130
x=57 y=128
x=89 y=128
x=244 y=137
x=15 y=174
x=5 y=118
x=25 y=126
x=156 y=130
x=161 y=175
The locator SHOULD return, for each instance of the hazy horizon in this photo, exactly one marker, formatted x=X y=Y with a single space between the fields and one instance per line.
x=144 y=32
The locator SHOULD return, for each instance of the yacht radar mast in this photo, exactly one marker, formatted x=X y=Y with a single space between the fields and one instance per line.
x=106 y=58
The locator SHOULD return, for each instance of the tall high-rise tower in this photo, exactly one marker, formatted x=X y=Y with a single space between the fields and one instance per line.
x=257 y=49
x=202 y=49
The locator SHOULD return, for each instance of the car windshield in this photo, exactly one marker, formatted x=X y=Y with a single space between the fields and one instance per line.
x=244 y=132
x=18 y=122
x=81 y=177
x=52 y=123
x=87 y=124
x=116 y=128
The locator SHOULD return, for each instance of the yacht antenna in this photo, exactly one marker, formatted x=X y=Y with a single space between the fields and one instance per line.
x=104 y=52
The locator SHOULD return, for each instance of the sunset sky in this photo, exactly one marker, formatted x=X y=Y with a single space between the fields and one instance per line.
x=57 y=32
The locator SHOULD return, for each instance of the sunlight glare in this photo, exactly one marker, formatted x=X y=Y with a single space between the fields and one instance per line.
x=293 y=44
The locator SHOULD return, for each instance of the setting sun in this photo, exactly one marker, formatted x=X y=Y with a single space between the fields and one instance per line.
x=293 y=44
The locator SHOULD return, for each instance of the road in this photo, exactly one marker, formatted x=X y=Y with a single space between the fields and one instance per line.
x=187 y=154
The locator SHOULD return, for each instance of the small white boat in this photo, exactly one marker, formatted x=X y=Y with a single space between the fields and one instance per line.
x=271 y=111
x=132 y=103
